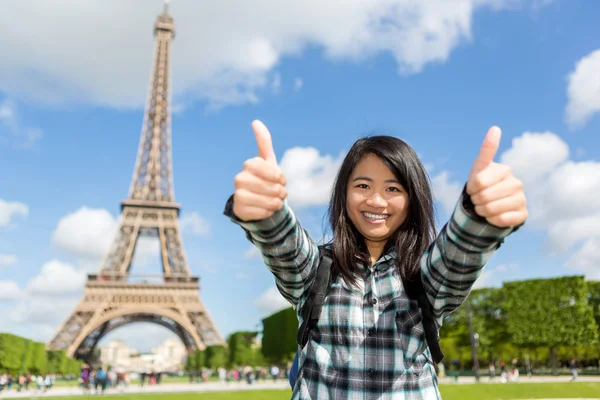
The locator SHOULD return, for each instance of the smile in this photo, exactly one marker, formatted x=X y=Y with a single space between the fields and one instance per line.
x=375 y=217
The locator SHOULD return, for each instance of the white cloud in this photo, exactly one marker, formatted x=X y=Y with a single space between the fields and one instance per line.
x=7 y=259
x=194 y=223
x=310 y=176
x=241 y=276
x=583 y=91
x=446 y=191
x=298 y=83
x=89 y=233
x=57 y=279
x=271 y=301
x=587 y=258
x=485 y=279
x=45 y=310
x=493 y=277
x=10 y=209
x=534 y=155
x=220 y=54
x=86 y=233
x=24 y=137
x=252 y=253
x=562 y=196
x=9 y=290
x=505 y=267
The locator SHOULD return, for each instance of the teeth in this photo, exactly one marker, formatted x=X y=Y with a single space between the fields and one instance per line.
x=375 y=216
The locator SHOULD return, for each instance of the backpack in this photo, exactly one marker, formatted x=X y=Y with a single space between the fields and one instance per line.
x=311 y=310
x=101 y=375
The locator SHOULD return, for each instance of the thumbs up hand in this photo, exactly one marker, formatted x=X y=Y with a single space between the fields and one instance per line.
x=495 y=192
x=260 y=186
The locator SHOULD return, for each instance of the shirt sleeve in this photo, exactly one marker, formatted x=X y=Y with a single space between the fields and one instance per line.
x=456 y=258
x=287 y=250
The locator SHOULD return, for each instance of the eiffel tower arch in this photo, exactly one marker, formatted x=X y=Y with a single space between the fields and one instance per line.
x=110 y=300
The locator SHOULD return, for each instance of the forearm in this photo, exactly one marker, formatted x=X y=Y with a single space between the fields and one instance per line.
x=287 y=249
x=457 y=257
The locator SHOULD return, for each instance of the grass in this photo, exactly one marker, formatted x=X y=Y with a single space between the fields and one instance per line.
x=449 y=392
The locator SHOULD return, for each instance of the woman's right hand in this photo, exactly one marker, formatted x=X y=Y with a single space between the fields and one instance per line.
x=260 y=186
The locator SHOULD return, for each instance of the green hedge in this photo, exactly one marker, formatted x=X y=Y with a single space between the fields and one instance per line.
x=19 y=355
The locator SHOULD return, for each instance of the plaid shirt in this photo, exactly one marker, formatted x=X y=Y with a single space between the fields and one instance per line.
x=369 y=342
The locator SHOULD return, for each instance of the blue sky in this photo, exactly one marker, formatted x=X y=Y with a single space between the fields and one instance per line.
x=319 y=75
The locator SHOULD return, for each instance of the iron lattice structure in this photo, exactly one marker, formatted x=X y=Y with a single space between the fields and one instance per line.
x=110 y=300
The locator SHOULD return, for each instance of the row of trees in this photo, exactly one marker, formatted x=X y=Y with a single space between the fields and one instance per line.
x=542 y=320
x=20 y=355
x=241 y=350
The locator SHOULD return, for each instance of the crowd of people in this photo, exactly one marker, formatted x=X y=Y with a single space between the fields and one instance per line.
x=26 y=381
x=247 y=373
x=98 y=380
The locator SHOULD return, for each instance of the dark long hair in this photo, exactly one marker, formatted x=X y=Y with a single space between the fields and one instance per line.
x=412 y=238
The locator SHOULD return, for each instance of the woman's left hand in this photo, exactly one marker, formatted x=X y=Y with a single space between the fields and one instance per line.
x=496 y=193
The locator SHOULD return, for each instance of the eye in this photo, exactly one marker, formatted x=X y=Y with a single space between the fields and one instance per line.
x=362 y=186
x=395 y=189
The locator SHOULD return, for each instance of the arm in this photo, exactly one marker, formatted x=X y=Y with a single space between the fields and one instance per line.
x=287 y=249
x=456 y=258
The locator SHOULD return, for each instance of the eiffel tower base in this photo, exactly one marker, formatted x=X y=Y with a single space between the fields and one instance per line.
x=110 y=303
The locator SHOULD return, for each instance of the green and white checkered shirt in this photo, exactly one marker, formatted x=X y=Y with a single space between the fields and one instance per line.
x=369 y=342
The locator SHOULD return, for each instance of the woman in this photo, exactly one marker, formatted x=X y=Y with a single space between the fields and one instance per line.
x=369 y=341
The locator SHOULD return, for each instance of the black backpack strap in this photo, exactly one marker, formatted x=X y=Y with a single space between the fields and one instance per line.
x=311 y=310
x=416 y=291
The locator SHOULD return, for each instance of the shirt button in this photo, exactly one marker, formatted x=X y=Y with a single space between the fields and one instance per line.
x=374 y=300
x=370 y=372
x=370 y=332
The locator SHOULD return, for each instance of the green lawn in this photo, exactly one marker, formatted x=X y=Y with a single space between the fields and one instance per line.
x=449 y=392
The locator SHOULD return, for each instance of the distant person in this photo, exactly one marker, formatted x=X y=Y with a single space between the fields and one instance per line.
x=369 y=341
x=274 y=372
x=573 y=367
x=492 y=371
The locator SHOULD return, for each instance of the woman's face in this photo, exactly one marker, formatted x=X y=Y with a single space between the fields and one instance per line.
x=376 y=202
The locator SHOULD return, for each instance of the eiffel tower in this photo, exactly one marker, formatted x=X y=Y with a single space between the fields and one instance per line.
x=110 y=300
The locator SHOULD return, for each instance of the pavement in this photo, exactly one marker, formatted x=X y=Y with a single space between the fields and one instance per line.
x=59 y=391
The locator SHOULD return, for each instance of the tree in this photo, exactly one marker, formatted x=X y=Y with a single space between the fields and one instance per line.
x=39 y=360
x=279 y=335
x=242 y=349
x=550 y=312
x=216 y=356
x=57 y=361
x=594 y=299
x=13 y=352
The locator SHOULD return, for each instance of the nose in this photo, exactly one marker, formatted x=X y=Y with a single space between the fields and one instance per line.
x=376 y=201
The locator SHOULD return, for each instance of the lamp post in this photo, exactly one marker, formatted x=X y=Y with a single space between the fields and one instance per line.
x=474 y=338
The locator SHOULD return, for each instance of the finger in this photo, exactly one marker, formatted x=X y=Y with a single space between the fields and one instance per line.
x=498 y=207
x=490 y=145
x=504 y=188
x=251 y=182
x=264 y=142
x=492 y=175
x=248 y=198
x=512 y=218
x=265 y=170
x=249 y=213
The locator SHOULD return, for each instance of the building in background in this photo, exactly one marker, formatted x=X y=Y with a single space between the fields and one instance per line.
x=170 y=356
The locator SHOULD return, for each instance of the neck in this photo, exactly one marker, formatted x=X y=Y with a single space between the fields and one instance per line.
x=375 y=250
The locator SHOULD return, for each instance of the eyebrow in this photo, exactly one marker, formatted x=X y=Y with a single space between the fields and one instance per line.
x=365 y=178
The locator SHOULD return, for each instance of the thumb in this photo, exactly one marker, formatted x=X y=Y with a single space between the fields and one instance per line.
x=488 y=151
x=264 y=142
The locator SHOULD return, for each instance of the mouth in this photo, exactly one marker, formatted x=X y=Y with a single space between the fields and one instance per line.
x=375 y=218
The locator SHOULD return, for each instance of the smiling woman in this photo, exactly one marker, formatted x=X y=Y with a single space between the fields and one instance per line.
x=368 y=335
